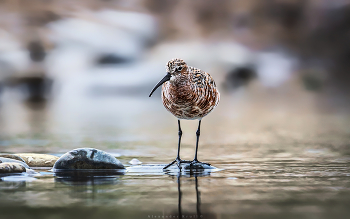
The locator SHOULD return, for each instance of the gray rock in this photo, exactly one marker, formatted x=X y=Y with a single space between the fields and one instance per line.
x=87 y=159
x=11 y=167
x=9 y=160
x=12 y=156
x=38 y=160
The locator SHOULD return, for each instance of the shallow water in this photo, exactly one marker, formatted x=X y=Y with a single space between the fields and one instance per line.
x=265 y=188
x=273 y=162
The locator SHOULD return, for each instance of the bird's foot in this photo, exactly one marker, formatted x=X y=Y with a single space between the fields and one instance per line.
x=195 y=164
x=178 y=162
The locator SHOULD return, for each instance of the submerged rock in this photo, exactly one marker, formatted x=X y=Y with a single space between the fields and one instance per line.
x=12 y=156
x=82 y=176
x=11 y=167
x=9 y=160
x=38 y=160
x=87 y=159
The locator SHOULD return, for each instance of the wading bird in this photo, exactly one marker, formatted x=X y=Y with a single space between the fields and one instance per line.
x=188 y=93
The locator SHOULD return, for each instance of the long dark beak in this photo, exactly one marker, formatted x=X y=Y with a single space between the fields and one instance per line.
x=166 y=78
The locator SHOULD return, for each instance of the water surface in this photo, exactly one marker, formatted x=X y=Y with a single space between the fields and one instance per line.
x=274 y=162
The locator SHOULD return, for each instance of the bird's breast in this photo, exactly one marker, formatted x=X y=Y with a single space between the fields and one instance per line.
x=188 y=102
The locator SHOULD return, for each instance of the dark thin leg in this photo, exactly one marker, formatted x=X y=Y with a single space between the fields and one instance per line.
x=198 y=133
x=178 y=160
x=178 y=146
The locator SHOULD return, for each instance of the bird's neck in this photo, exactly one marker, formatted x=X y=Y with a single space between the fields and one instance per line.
x=180 y=81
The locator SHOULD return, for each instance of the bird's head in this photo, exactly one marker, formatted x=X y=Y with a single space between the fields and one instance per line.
x=174 y=68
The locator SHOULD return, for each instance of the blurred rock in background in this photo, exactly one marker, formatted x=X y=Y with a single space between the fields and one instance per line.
x=239 y=77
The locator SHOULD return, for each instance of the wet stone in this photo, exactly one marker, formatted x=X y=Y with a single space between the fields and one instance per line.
x=87 y=159
x=38 y=160
x=11 y=167
x=12 y=156
x=135 y=161
x=9 y=160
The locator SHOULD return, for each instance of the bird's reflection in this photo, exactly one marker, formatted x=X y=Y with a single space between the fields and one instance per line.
x=198 y=203
x=195 y=175
x=198 y=198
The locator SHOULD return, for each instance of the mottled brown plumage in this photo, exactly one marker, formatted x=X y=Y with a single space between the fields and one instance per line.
x=190 y=93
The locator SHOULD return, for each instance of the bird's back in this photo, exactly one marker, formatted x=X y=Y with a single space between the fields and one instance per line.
x=193 y=95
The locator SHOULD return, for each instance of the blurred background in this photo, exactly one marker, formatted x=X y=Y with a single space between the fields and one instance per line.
x=78 y=74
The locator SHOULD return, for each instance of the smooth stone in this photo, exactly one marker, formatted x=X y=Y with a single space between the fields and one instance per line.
x=134 y=161
x=9 y=160
x=87 y=159
x=11 y=167
x=12 y=156
x=38 y=160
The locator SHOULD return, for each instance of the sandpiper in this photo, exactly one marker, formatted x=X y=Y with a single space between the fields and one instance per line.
x=188 y=93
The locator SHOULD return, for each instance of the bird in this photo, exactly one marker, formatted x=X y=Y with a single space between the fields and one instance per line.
x=188 y=93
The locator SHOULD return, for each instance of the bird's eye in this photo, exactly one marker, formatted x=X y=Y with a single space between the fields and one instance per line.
x=179 y=68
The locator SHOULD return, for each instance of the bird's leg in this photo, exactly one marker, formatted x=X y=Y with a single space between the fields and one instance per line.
x=198 y=133
x=178 y=160
x=178 y=147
